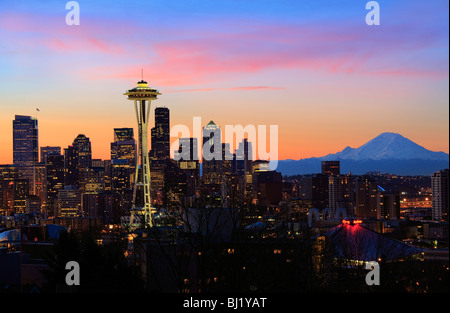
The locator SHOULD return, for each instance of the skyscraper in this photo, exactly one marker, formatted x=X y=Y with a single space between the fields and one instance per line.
x=84 y=153
x=160 y=134
x=70 y=166
x=78 y=160
x=54 y=181
x=123 y=159
x=212 y=169
x=440 y=195
x=25 y=147
x=341 y=194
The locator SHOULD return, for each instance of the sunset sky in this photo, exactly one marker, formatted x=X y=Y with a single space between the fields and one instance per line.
x=314 y=68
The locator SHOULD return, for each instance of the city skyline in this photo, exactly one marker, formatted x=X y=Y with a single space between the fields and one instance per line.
x=295 y=147
x=316 y=70
x=170 y=150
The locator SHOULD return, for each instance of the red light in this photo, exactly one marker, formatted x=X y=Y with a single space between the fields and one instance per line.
x=351 y=222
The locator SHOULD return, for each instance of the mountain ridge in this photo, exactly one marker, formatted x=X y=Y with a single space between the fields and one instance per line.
x=388 y=145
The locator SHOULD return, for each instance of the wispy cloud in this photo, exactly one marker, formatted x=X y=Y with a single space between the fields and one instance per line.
x=226 y=89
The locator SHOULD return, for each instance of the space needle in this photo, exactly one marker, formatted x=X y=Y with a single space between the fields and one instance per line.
x=142 y=210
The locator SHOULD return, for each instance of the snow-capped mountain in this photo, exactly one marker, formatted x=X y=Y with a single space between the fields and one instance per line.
x=387 y=146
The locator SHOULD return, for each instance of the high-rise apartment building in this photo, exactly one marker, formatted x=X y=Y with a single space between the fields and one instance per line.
x=440 y=195
x=341 y=194
x=366 y=195
x=388 y=205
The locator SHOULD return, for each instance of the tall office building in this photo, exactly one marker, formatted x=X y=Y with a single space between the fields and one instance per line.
x=78 y=160
x=122 y=170
x=212 y=165
x=84 y=153
x=440 y=194
x=160 y=134
x=54 y=181
x=25 y=147
x=70 y=166
x=123 y=159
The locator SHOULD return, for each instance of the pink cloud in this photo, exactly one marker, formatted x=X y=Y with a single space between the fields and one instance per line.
x=219 y=57
x=51 y=33
x=230 y=89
